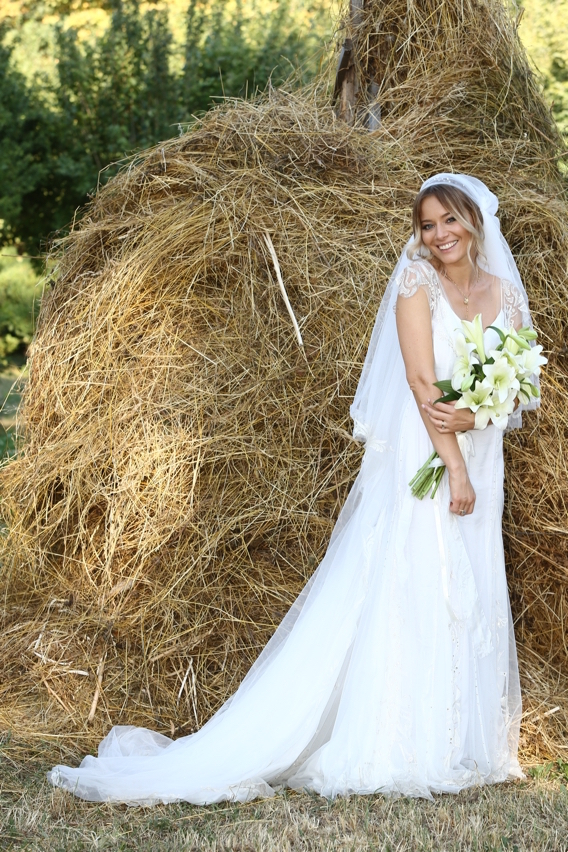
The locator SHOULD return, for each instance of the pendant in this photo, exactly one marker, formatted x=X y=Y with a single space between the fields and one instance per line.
x=466 y=301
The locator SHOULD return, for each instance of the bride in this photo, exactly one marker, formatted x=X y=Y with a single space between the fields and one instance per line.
x=395 y=670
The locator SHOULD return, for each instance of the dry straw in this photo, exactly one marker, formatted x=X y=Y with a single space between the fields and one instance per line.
x=184 y=458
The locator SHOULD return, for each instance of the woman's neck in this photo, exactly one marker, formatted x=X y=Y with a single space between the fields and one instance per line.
x=463 y=273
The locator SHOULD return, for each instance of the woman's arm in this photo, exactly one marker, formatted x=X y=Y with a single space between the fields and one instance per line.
x=414 y=327
x=445 y=417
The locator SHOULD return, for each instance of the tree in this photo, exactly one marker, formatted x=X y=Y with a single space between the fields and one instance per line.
x=121 y=92
x=24 y=158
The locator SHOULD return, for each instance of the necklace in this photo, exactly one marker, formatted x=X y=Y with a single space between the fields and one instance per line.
x=460 y=291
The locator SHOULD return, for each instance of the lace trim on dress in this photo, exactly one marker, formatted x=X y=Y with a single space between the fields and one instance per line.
x=515 y=308
x=419 y=274
x=515 y=313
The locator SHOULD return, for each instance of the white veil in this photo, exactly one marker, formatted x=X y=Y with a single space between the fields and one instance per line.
x=375 y=409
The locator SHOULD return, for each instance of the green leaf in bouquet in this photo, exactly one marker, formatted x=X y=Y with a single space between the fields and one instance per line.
x=478 y=373
x=449 y=397
x=500 y=332
x=444 y=385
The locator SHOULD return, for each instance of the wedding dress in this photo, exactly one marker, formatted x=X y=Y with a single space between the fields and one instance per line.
x=395 y=671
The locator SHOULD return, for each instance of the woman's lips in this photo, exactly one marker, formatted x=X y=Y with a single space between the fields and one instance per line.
x=447 y=246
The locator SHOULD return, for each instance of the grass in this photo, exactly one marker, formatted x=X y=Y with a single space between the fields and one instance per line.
x=19 y=302
x=10 y=392
x=526 y=815
x=20 y=293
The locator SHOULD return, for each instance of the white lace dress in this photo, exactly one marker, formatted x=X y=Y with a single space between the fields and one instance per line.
x=394 y=672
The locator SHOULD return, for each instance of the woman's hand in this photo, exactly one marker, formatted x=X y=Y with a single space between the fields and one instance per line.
x=445 y=417
x=461 y=491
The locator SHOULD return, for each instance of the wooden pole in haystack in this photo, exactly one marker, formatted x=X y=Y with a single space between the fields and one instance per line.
x=349 y=80
x=346 y=83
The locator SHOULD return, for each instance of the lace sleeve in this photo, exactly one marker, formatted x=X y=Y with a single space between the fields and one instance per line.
x=515 y=308
x=516 y=313
x=415 y=276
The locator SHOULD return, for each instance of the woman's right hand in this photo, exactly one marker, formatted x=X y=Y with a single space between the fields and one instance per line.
x=461 y=492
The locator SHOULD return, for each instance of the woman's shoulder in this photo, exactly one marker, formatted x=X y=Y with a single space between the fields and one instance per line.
x=421 y=265
x=417 y=273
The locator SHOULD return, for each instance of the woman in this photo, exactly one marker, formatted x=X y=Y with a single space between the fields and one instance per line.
x=395 y=670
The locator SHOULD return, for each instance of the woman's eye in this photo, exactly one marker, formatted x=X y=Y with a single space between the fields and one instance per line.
x=451 y=219
x=426 y=227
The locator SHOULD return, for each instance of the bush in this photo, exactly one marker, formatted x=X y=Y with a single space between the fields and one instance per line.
x=18 y=303
x=125 y=89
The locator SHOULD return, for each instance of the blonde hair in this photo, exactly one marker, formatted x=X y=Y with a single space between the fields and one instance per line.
x=460 y=205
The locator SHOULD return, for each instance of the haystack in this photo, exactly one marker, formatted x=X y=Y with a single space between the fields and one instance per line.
x=183 y=458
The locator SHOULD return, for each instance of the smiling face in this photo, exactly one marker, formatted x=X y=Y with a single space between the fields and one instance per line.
x=442 y=234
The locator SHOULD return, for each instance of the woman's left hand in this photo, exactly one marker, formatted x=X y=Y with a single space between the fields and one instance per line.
x=446 y=418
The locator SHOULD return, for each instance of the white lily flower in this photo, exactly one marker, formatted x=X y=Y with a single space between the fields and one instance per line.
x=530 y=361
x=527 y=391
x=516 y=338
x=483 y=416
x=499 y=412
x=505 y=353
x=524 y=394
x=473 y=333
x=501 y=377
x=511 y=344
x=476 y=397
x=462 y=376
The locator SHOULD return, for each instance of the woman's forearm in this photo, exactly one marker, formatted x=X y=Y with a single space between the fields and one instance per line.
x=446 y=445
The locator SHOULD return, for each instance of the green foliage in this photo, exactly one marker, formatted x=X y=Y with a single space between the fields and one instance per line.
x=225 y=57
x=18 y=303
x=121 y=90
x=7 y=443
x=24 y=149
x=544 y=31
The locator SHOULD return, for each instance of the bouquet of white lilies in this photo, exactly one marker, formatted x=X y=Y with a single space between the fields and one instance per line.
x=489 y=384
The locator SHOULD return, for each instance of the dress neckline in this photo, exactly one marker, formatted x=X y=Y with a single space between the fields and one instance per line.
x=449 y=304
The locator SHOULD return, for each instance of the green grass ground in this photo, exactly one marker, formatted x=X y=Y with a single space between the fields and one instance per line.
x=527 y=815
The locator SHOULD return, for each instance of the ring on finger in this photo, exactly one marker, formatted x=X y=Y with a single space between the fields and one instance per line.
x=462 y=512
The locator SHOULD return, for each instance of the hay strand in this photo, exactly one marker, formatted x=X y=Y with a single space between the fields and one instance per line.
x=274 y=257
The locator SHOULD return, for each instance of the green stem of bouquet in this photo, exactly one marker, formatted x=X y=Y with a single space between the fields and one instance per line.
x=427 y=478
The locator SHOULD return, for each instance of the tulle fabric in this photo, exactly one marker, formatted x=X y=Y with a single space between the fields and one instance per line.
x=395 y=670
x=376 y=415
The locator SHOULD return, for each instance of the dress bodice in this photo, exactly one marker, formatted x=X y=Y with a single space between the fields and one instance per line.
x=446 y=324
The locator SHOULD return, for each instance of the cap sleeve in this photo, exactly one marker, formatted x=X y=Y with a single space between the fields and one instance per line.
x=515 y=309
x=416 y=275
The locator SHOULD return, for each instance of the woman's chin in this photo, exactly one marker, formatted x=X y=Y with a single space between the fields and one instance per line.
x=449 y=257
